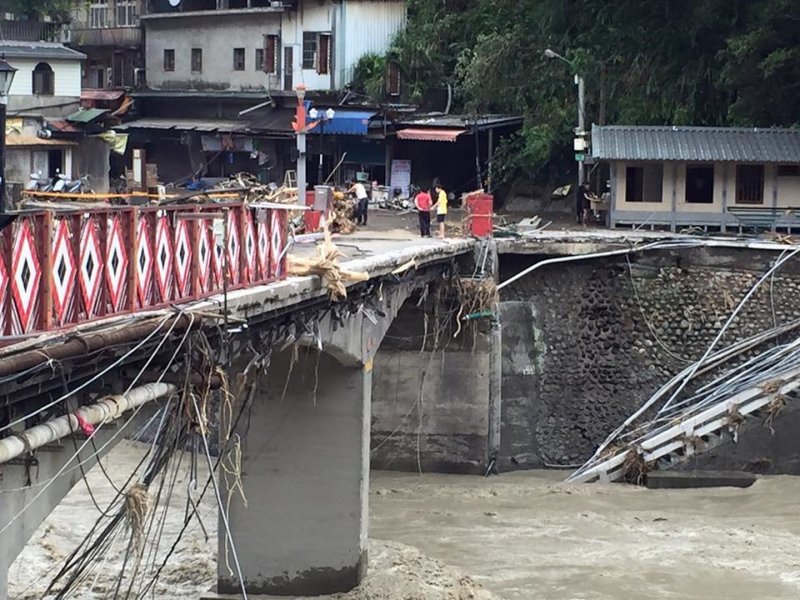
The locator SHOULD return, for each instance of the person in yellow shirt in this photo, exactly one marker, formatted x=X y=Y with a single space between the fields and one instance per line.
x=441 y=208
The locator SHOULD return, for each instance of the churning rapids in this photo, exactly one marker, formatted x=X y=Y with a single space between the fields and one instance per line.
x=512 y=537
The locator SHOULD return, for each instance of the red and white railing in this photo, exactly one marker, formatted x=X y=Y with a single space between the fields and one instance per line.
x=59 y=268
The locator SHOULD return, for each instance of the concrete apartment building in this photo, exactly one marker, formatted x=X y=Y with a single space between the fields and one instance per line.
x=220 y=78
x=264 y=45
x=108 y=32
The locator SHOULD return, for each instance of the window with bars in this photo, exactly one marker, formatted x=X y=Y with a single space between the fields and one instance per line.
x=317 y=52
x=197 y=60
x=259 y=59
x=749 y=184
x=169 y=59
x=127 y=13
x=238 y=59
x=98 y=14
x=309 y=49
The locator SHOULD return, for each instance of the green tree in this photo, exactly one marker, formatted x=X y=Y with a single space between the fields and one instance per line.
x=698 y=62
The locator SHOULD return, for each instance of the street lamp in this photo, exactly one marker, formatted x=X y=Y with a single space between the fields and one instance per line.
x=581 y=131
x=321 y=118
x=6 y=79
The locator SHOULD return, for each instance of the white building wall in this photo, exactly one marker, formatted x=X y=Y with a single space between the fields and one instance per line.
x=312 y=17
x=370 y=27
x=67 y=75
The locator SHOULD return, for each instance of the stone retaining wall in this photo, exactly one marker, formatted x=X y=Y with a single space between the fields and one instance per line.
x=585 y=343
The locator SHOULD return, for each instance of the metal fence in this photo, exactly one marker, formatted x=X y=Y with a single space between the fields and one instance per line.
x=60 y=268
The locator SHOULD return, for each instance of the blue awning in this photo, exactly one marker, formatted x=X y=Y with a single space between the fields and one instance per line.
x=345 y=123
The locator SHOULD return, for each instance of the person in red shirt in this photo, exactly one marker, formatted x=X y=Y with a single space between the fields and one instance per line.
x=423 y=203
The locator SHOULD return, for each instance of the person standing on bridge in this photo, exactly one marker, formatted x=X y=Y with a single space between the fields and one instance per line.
x=441 y=208
x=423 y=203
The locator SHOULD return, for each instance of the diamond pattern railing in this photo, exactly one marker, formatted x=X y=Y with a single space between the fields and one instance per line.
x=60 y=268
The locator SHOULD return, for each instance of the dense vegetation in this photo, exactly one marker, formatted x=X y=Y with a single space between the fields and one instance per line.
x=699 y=62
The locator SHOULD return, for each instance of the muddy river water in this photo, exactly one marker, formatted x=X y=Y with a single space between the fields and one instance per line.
x=510 y=537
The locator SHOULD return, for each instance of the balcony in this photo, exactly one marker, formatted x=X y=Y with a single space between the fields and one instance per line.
x=30 y=31
x=192 y=8
x=125 y=37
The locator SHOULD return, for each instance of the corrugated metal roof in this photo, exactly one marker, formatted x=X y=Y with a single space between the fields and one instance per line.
x=696 y=144
x=102 y=94
x=25 y=139
x=430 y=135
x=345 y=123
x=86 y=115
x=17 y=49
x=205 y=125
x=482 y=122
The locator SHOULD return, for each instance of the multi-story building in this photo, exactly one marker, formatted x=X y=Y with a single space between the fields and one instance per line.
x=268 y=45
x=220 y=79
x=109 y=33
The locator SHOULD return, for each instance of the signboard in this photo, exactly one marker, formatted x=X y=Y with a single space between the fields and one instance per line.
x=580 y=157
x=401 y=176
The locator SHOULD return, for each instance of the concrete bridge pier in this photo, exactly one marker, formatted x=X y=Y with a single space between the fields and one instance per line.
x=305 y=473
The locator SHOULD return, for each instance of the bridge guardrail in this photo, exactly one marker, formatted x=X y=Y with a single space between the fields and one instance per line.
x=63 y=267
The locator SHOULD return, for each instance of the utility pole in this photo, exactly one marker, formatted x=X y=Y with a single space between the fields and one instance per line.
x=580 y=133
x=300 y=130
x=581 y=121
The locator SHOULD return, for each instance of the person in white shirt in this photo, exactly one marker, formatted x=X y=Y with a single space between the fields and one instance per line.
x=362 y=201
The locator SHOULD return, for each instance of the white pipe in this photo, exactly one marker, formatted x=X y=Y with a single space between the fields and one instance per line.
x=667 y=245
x=105 y=410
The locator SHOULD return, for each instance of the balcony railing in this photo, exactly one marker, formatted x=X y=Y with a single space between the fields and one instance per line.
x=81 y=35
x=30 y=31
x=61 y=268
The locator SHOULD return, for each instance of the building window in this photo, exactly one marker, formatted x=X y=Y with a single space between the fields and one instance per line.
x=43 y=80
x=259 y=59
x=98 y=14
x=644 y=183
x=749 y=184
x=169 y=59
x=238 y=59
x=309 y=50
x=270 y=63
x=700 y=184
x=127 y=14
x=788 y=170
x=197 y=60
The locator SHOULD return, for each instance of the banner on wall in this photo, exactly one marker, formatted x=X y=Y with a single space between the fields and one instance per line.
x=401 y=176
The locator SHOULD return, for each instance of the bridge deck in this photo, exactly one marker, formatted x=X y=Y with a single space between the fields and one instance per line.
x=378 y=250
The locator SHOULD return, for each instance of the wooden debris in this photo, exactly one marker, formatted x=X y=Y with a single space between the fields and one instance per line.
x=326 y=266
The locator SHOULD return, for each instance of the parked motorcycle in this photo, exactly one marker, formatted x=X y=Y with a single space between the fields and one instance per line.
x=39 y=183
x=72 y=186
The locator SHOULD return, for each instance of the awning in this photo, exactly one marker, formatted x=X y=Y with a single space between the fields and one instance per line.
x=430 y=135
x=275 y=121
x=86 y=115
x=63 y=126
x=344 y=123
x=24 y=140
x=108 y=95
x=204 y=125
